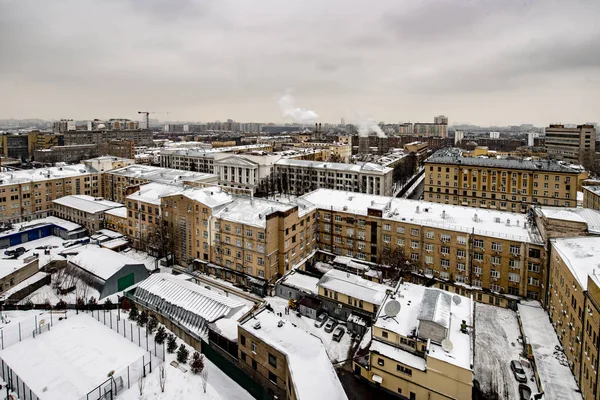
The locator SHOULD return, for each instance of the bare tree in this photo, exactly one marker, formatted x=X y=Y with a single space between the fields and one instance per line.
x=162 y=377
x=141 y=385
x=398 y=263
x=204 y=377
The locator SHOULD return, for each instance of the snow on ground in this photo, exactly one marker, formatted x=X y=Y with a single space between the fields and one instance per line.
x=556 y=377
x=10 y=318
x=72 y=358
x=48 y=293
x=337 y=351
x=188 y=386
x=496 y=344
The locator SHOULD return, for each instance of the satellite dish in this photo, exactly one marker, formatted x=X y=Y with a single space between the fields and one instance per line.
x=447 y=345
x=456 y=299
x=392 y=308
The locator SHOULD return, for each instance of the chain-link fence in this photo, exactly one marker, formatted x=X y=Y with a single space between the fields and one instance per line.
x=15 y=384
x=17 y=331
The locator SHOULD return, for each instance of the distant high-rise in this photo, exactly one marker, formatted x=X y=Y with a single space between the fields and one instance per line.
x=440 y=119
x=494 y=135
x=343 y=122
x=458 y=137
x=576 y=145
x=439 y=127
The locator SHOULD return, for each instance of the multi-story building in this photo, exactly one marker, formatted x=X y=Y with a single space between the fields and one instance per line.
x=421 y=346
x=15 y=146
x=439 y=127
x=241 y=239
x=117 y=148
x=498 y=183
x=44 y=140
x=64 y=125
x=574 y=306
x=486 y=253
x=419 y=149
x=202 y=159
x=106 y=163
x=84 y=210
x=591 y=197
x=243 y=173
x=28 y=194
x=574 y=145
x=66 y=154
x=290 y=362
x=116 y=220
x=118 y=181
x=299 y=177
x=140 y=137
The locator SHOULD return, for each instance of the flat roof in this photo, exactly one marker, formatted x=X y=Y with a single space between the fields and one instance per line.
x=585 y=215
x=412 y=299
x=100 y=261
x=354 y=286
x=250 y=211
x=42 y=174
x=512 y=226
x=152 y=192
x=580 y=254
x=120 y=212
x=536 y=166
x=301 y=282
x=88 y=204
x=311 y=371
x=159 y=174
x=364 y=167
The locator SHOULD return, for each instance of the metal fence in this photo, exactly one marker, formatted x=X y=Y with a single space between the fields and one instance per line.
x=15 y=384
x=15 y=332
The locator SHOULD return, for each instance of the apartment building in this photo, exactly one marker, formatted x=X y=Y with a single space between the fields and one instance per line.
x=591 y=197
x=28 y=194
x=290 y=362
x=116 y=220
x=118 y=183
x=202 y=159
x=420 y=345
x=84 y=210
x=140 y=137
x=243 y=173
x=66 y=154
x=498 y=183
x=241 y=239
x=487 y=253
x=575 y=145
x=299 y=177
x=574 y=306
x=106 y=163
x=419 y=149
x=437 y=128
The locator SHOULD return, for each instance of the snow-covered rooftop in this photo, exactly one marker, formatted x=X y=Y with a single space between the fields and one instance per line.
x=162 y=175
x=311 y=371
x=35 y=223
x=120 y=212
x=87 y=203
x=584 y=215
x=42 y=174
x=303 y=282
x=211 y=196
x=580 y=254
x=521 y=164
x=250 y=211
x=364 y=167
x=454 y=218
x=412 y=308
x=171 y=293
x=354 y=286
x=101 y=262
x=435 y=307
x=152 y=192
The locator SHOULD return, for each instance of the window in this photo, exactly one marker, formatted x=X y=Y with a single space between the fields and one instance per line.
x=461 y=240
x=460 y=266
x=477 y=270
x=496 y=246
x=495 y=274
x=495 y=260
x=512 y=277
x=272 y=360
x=516 y=264
x=428 y=260
x=414 y=232
x=399 y=229
x=445 y=263
x=445 y=250
x=445 y=237
x=533 y=267
x=429 y=247
x=414 y=244
x=404 y=370
x=429 y=234
x=533 y=281
x=515 y=249
x=535 y=253
x=478 y=243
x=380 y=362
x=461 y=253
x=387 y=239
x=337 y=218
x=248 y=233
x=387 y=227
x=400 y=242
x=273 y=377
x=253 y=347
x=261 y=236
x=243 y=339
x=477 y=256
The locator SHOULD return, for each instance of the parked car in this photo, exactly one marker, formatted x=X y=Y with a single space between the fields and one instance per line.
x=338 y=333
x=518 y=371
x=321 y=319
x=331 y=323
x=524 y=392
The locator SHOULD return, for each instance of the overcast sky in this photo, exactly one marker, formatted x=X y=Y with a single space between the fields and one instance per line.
x=484 y=62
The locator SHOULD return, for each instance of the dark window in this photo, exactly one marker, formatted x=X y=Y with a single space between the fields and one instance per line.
x=244 y=357
x=254 y=366
x=243 y=340
x=272 y=360
x=534 y=253
x=273 y=377
x=380 y=361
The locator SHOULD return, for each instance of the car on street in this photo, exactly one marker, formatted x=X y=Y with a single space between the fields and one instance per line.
x=518 y=371
x=331 y=323
x=338 y=333
x=321 y=319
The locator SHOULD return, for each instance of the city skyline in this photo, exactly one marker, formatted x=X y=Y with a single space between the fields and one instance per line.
x=215 y=61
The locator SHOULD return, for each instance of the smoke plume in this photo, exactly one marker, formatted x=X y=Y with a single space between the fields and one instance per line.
x=287 y=104
x=368 y=125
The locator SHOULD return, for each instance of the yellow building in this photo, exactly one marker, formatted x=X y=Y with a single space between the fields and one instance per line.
x=591 y=197
x=574 y=306
x=116 y=220
x=290 y=362
x=28 y=194
x=498 y=183
x=490 y=254
x=421 y=346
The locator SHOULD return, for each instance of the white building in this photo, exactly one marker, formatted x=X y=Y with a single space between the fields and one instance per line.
x=243 y=172
x=494 y=135
x=458 y=137
x=302 y=176
x=531 y=138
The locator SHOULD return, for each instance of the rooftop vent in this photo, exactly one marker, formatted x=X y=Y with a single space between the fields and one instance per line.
x=280 y=324
x=418 y=209
x=475 y=218
x=443 y=214
x=508 y=222
x=256 y=325
x=497 y=219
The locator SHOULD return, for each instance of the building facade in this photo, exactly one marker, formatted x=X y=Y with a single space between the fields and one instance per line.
x=499 y=183
x=84 y=210
x=591 y=197
x=575 y=145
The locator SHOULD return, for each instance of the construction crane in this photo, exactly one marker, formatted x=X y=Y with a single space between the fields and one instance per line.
x=147 y=116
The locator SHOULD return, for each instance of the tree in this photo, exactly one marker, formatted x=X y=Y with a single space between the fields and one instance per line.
x=125 y=304
x=204 y=377
x=197 y=364
x=108 y=304
x=134 y=314
x=92 y=303
x=171 y=343
x=152 y=324
x=61 y=305
x=161 y=335
x=143 y=318
x=80 y=303
x=162 y=377
x=397 y=262
x=182 y=354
